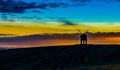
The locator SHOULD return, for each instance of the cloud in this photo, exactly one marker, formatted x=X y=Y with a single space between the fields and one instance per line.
x=39 y=18
x=22 y=6
x=64 y=4
x=12 y=7
x=42 y=6
x=37 y=11
x=27 y=17
x=53 y=5
x=66 y=22
x=81 y=0
x=7 y=34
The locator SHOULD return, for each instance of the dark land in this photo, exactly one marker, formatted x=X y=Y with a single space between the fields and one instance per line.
x=70 y=57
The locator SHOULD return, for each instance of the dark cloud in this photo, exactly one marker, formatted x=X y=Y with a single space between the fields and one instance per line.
x=21 y=7
x=11 y=20
x=7 y=34
x=37 y=11
x=39 y=18
x=47 y=6
x=54 y=5
x=64 y=4
x=78 y=5
x=11 y=6
x=66 y=22
x=81 y=0
x=33 y=17
x=28 y=17
x=42 y=6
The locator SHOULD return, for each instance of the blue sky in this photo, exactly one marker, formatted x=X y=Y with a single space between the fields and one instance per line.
x=94 y=11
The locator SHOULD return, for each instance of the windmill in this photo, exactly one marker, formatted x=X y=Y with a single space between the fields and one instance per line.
x=83 y=37
x=79 y=31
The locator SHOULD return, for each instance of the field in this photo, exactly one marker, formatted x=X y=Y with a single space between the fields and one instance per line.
x=69 y=57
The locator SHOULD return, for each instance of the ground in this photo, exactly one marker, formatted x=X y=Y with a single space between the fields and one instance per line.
x=70 y=57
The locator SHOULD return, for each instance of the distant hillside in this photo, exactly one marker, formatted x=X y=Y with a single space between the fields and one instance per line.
x=62 y=57
x=2 y=49
x=42 y=37
x=58 y=36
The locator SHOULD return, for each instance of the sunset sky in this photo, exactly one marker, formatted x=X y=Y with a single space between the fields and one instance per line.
x=28 y=17
x=92 y=15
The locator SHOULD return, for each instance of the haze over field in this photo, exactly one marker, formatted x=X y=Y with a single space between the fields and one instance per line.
x=57 y=39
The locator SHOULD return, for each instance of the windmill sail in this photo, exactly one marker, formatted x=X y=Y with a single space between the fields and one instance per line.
x=87 y=31
x=79 y=31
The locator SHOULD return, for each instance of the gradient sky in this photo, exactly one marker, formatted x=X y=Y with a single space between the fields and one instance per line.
x=92 y=15
x=20 y=19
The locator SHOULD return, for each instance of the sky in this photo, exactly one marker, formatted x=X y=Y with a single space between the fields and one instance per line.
x=19 y=18
x=26 y=17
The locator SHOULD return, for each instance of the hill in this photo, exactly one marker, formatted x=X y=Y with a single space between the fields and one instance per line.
x=70 y=57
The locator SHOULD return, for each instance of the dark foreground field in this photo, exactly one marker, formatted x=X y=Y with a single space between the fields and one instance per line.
x=76 y=57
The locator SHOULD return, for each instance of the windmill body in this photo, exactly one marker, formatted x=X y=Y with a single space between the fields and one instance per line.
x=83 y=37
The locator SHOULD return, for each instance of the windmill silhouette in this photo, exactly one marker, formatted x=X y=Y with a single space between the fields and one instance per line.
x=83 y=37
